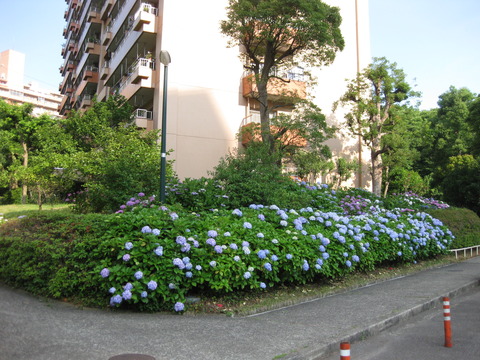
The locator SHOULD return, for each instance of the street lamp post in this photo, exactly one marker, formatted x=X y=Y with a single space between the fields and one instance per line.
x=165 y=59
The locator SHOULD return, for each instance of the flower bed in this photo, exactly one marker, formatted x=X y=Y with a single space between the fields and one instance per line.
x=161 y=255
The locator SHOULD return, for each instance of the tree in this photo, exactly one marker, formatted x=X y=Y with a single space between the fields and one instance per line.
x=18 y=126
x=278 y=34
x=371 y=99
x=474 y=121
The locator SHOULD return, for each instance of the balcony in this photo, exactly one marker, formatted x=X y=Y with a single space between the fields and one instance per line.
x=92 y=47
x=143 y=119
x=94 y=15
x=74 y=26
x=279 y=90
x=91 y=74
x=86 y=101
x=142 y=70
x=106 y=37
x=250 y=131
x=106 y=8
x=144 y=16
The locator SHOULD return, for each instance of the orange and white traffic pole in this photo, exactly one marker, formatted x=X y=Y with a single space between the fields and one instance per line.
x=447 y=322
x=345 y=351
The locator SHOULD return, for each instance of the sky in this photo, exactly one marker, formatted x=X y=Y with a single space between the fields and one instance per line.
x=436 y=42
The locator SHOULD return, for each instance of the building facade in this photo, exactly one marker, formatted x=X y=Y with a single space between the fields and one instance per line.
x=113 y=47
x=14 y=91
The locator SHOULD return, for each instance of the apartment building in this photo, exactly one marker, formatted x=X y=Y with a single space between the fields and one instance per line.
x=14 y=91
x=113 y=47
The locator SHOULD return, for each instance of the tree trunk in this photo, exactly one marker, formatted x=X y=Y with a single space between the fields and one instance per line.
x=387 y=184
x=267 y=137
x=376 y=161
x=25 y=165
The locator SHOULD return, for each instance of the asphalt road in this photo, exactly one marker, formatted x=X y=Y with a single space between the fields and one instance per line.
x=423 y=336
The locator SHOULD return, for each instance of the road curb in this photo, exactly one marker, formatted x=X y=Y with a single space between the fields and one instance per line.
x=317 y=353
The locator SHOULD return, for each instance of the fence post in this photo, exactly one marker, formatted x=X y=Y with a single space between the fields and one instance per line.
x=345 y=351
x=447 y=322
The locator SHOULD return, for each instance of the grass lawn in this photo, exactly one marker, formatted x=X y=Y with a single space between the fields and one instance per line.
x=15 y=210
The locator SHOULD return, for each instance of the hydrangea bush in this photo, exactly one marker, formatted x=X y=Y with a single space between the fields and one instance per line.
x=164 y=253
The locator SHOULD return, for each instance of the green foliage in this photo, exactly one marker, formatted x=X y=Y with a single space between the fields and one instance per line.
x=255 y=178
x=461 y=182
x=151 y=257
x=463 y=223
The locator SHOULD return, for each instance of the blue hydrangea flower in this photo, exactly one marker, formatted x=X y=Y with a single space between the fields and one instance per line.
x=325 y=241
x=186 y=260
x=355 y=258
x=305 y=265
x=236 y=258
x=212 y=233
x=172 y=286
x=158 y=251
x=105 y=272
x=146 y=230
x=213 y=263
x=138 y=275
x=128 y=286
x=188 y=266
x=117 y=299
x=112 y=290
x=325 y=255
x=274 y=258
x=128 y=245
x=345 y=254
x=179 y=306
x=185 y=248
x=399 y=253
x=260 y=235
x=245 y=243
x=234 y=246
x=263 y=285
x=181 y=240
x=211 y=242
x=247 y=275
x=262 y=254
x=188 y=274
x=268 y=266
x=328 y=223
x=320 y=262
x=178 y=262
x=274 y=241
x=247 y=225
x=227 y=234
x=261 y=217
x=218 y=249
x=144 y=294
x=156 y=232
x=127 y=295
x=237 y=212
x=126 y=257
x=348 y=263
x=246 y=250
x=322 y=248
x=152 y=285
x=198 y=267
x=289 y=256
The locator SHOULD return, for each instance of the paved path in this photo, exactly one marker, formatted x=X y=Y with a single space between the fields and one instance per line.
x=50 y=330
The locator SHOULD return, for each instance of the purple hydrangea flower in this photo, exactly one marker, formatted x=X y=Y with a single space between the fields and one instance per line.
x=218 y=249
x=123 y=207
x=173 y=216
x=211 y=242
x=105 y=272
x=179 y=306
x=128 y=245
x=126 y=257
x=234 y=246
x=245 y=243
x=138 y=275
x=186 y=248
x=261 y=217
x=141 y=194
x=152 y=285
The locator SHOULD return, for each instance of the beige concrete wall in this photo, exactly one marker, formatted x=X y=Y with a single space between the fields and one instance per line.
x=205 y=105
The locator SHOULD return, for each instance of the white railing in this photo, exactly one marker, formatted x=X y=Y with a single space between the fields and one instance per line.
x=143 y=114
x=469 y=249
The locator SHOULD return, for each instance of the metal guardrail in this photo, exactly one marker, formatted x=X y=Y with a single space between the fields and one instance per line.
x=465 y=250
